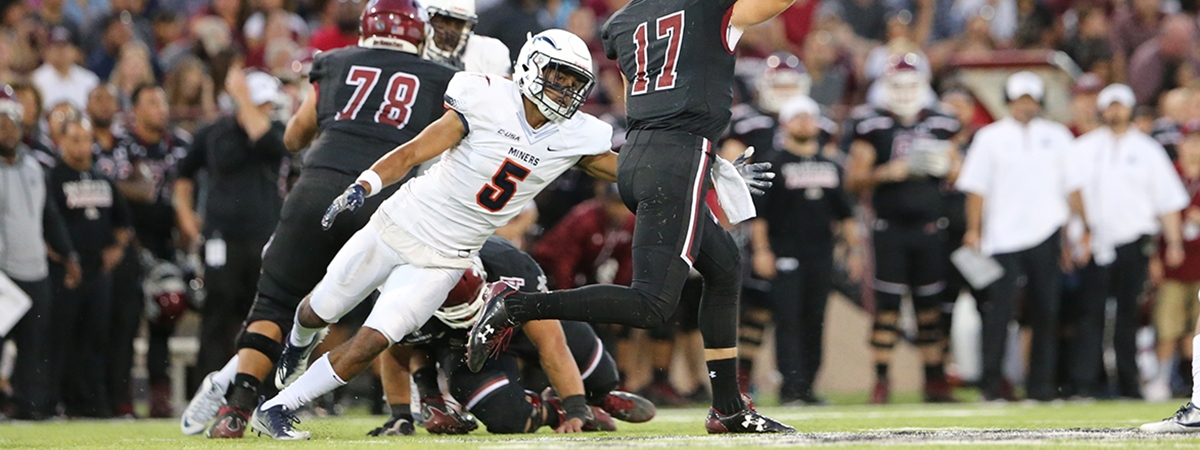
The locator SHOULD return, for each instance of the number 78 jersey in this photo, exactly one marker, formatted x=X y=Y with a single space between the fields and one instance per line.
x=500 y=165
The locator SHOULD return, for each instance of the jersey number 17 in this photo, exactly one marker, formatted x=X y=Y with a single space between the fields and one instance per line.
x=669 y=27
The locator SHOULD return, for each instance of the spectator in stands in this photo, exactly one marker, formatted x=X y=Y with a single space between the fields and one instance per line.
x=340 y=25
x=1133 y=24
x=56 y=117
x=31 y=130
x=1178 y=287
x=233 y=13
x=33 y=233
x=1035 y=26
x=116 y=30
x=98 y=223
x=51 y=15
x=1084 y=117
x=102 y=110
x=242 y=202
x=1020 y=191
x=190 y=94
x=256 y=24
x=868 y=18
x=59 y=78
x=1130 y=190
x=1167 y=129
x=511 y=21
x=976 y=43
x=133 y=69
x=830 y=80
x=1091 y=46
x=792 y=242
x=171 y=42
x=1156 y=65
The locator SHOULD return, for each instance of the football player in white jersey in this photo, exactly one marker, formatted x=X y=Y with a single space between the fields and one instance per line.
x=453 y=43
x=501 y=143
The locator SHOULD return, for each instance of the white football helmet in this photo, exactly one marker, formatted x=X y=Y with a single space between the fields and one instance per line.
x=446 y=44
x=555 y=63
x=905 y=86
x=783 y=79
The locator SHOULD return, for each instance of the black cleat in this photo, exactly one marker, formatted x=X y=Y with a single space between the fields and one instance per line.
x=293 y=362
x=746 y=421
x=491 y=332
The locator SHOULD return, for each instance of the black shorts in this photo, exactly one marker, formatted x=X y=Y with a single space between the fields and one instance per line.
x=295 y=258
x=910 y=258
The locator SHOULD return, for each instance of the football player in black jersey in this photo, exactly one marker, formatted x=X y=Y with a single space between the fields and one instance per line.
x=498 y=395
x=677 y=57
x=901 y=155
x=365 y=100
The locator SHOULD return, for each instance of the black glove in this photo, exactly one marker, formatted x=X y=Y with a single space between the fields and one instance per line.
x=353 y=197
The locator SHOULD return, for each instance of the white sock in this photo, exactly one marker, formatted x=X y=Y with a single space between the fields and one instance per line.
x=225 y=376
x=1196 y=370
x=319 y=380
x=300 y=335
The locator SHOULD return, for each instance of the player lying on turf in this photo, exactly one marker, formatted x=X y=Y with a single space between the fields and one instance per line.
x=1187 y=419
x=496 y=395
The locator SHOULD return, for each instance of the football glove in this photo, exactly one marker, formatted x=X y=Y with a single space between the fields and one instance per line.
x=758 y=176
x=353 y=197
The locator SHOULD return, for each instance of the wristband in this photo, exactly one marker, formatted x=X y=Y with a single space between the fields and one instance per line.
x=576 y=407
x=373 y=181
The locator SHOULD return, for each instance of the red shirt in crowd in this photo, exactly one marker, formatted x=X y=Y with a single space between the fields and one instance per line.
x=582 y=244
x=1190 y=269
x=330 y=37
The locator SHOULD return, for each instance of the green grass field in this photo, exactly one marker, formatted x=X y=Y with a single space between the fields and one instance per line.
x=1103 y=424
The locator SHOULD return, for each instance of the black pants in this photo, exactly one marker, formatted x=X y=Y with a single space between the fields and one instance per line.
x=663 y=177
x=1039 y=265
x=32 y=379
x=799 y=297
x=231 y=289
x=83 y=317
x=128 y=305
x=909 y=258
x=1123 y=280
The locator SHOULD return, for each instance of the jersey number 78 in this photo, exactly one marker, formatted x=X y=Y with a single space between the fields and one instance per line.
x=668 y=27
x=397 y=100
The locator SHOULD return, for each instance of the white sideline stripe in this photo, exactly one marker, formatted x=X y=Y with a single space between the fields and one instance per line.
x=830 y=415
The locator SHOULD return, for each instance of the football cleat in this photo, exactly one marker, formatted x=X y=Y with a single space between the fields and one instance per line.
x=601 y=421
x=491 y=332
x=939 y=391
x=293 y=362
x=395 y=426
x=230 y=424
x=628 y=407
x=882 y=392
x=1186 y=420
x=278 y=423
x=438 y=418
x=209 y=399
x=745 y=421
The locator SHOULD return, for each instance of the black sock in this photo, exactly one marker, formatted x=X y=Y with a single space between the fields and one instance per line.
x=401 y=411
x=243 y=392
x=934 y=372
x=881 y=370
x=727 y=398
x=426 y=381
x=661 y=376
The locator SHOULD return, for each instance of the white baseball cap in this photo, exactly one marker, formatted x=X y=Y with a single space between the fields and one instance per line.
x=264 y=88
x=800 y=104
x=1024 y=83
x=1116 y=93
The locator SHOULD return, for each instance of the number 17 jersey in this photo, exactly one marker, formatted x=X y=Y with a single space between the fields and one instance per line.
x=497 y=168
x=678 y=58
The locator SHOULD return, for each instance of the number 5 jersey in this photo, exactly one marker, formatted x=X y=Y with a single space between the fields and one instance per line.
x=495 y=171
x=368 y=102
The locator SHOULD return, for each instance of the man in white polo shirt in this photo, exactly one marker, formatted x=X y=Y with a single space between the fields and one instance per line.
x=1130 y=188
x=1020 y=192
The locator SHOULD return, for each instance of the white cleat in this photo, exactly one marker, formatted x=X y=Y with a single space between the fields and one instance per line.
x=1186 y=420
x=209 y=398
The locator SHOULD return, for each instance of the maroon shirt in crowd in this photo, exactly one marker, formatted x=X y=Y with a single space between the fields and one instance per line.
x=581 y=243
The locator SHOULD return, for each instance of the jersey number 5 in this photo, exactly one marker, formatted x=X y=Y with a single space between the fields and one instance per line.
x=494 y=196
x=397 y=100
x=668 y=27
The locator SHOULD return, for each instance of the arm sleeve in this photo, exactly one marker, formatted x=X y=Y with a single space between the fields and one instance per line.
x=54 y=229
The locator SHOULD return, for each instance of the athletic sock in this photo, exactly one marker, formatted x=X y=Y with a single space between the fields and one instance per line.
x=226 y=375
x=881 y=370
x=1196 y=370
x=661 y=376
x=319 y=380
x=934 y=372
x=301 y=336
x=243 y=393
x=426 y=381
x=401 y=411
x=727 y=398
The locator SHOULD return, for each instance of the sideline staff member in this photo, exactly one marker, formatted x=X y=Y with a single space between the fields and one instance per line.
x=1021 y=189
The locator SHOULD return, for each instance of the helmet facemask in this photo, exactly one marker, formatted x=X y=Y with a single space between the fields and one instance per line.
x=446 y=40
x=905 y=93
x=560 y=87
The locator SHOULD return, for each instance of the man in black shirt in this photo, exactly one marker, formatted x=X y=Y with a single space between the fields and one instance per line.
x=98 y=222
x=143 y=164
x=243 y=156
x=900 y=155
x=677 y=58
x=793 y=244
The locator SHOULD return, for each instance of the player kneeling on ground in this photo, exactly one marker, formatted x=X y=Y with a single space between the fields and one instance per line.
x=496 y=394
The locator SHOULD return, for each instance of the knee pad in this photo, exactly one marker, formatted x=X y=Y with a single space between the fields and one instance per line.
x=929 y=327
x=509 y=410
x=262 y=344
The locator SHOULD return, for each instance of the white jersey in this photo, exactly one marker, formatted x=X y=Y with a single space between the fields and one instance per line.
x=486 y=55
x=499 y=166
